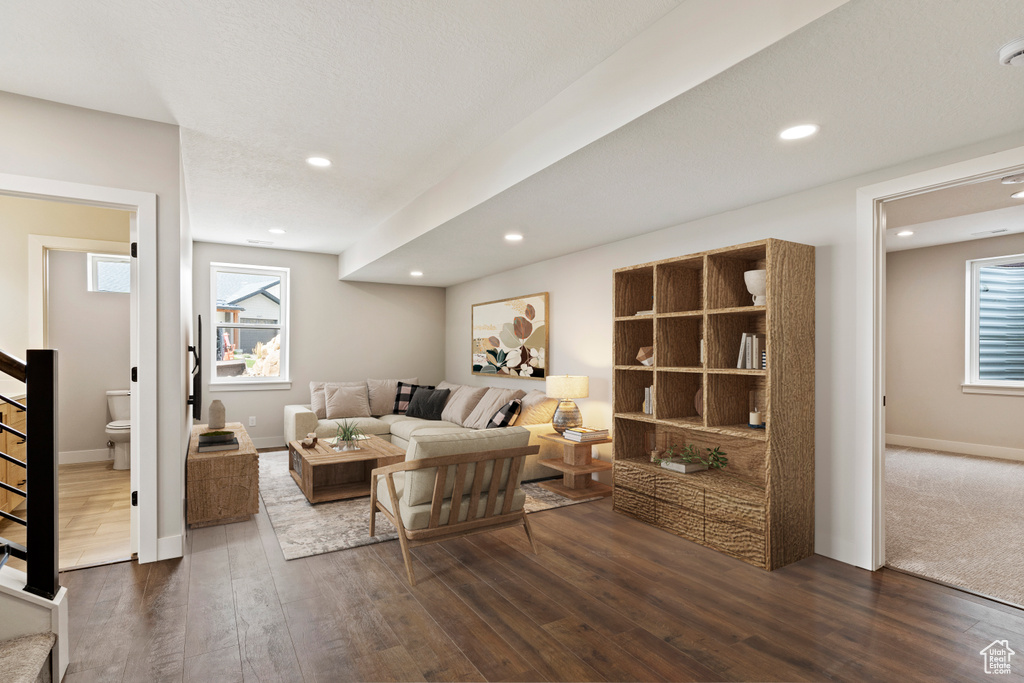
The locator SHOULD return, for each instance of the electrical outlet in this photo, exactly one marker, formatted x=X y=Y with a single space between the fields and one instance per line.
x=252 y=420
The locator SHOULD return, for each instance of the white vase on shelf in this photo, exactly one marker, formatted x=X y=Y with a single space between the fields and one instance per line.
x=756 y=285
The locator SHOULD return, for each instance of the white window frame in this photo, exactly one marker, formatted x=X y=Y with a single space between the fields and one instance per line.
x=94 y=259
x=972 y=383
x=283 y=381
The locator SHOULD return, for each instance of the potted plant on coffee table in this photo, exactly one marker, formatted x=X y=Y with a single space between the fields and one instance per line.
x=348 y=436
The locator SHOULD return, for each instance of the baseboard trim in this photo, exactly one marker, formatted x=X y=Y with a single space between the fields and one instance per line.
x=268 y=441
x=169 y=547
x=1000 y=452
x=94 y=455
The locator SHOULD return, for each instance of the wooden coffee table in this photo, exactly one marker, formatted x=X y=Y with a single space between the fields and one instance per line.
x=324 y=474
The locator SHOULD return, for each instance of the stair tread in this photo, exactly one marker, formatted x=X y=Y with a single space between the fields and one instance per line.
x=23 y=657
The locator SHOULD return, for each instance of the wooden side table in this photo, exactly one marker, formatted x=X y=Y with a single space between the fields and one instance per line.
x=222 y=486
x=577 y=464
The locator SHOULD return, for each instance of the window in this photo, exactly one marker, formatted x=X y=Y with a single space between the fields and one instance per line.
x=250 y=314
x=995 y=325
x=110 y=273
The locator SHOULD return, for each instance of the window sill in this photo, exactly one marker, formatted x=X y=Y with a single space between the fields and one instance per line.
x=256 y=385
x=994 y=389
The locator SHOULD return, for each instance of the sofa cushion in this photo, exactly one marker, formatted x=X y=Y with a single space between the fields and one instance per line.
x=395 y=419
x=428 y=403
x=461 y=403
x=506 y=415
x=328 y=429
x=404 y=395
x=537 y=408
x=318 y=399
x=419 y=484
x=488 y=405
x=407 y=428
x=418 y=516
x=347 y=399
x=382 y=394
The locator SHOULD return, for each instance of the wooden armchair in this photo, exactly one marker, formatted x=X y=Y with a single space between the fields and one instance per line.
x=458 y=503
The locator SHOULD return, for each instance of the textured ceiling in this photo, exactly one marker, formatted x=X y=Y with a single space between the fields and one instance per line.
x=859 y=71
x=397 y=93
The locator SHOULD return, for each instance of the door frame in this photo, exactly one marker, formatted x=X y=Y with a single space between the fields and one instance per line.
x=870 y=311
x=142 y=210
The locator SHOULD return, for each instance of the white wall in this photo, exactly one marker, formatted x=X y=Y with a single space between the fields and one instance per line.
x=340 y=331
x=580 y=286
x=47 y=140
x=91 y=334
x=925 y=314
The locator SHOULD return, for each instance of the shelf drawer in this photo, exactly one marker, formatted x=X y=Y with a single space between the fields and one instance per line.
x=738 y=511
x=734 y=540
x=634 y=504
x=680 y=521
x=634 y=476
x=672 y=489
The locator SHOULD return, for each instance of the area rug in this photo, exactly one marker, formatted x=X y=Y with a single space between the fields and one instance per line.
x=956 y=519
x=303 y=529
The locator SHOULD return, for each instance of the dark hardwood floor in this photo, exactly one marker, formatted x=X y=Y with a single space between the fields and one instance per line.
x=607 y=598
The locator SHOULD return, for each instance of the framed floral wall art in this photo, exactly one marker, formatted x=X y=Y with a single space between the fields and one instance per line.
x=510 y=337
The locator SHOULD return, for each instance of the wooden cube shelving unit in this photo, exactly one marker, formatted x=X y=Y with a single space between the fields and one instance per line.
x=761 y=507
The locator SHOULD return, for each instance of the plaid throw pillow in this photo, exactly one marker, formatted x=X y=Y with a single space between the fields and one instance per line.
x=404 y=395
x=506 y=415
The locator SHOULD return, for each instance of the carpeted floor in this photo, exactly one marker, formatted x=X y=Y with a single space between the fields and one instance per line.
x=303 y=529
x=956 y=519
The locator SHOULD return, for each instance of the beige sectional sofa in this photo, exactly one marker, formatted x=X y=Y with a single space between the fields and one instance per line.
x=468 y=409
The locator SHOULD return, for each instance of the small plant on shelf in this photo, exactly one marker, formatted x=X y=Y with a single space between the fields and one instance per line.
x=691 y=458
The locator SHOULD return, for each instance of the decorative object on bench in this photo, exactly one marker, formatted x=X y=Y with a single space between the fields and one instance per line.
x=440 y=496
x=510 y=337
x=565 y=388
x=216 y=414
x=222 y=486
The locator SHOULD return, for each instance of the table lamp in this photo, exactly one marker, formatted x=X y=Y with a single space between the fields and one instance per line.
x=565 y=388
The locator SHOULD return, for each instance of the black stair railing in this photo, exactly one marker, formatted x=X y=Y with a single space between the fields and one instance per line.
x=39 y=373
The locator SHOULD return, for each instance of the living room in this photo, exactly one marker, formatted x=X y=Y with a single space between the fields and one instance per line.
x=630 y=195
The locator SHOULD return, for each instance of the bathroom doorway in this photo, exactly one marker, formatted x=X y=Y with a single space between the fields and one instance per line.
x=84 y=306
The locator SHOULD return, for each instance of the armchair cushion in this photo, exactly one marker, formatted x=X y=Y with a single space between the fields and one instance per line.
x=419 y=484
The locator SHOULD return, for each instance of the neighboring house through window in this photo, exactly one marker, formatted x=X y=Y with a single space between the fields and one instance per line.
x=995 y=325
x=250 y=313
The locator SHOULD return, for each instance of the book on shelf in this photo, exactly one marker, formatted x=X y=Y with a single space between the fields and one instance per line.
x=751 y=352
x=218 y=446
x=591 y=435
x=649 y=400
x=743 y=352
x=647 y=312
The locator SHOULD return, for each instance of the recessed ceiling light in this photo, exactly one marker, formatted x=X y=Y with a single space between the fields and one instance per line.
x=905 y=233
x=277 y=231
x=1012 y=54
x=416 y=273
x=804 y=130
x=1013 y=179
x=319 y=162
x=1017 y=195
x=514 y=237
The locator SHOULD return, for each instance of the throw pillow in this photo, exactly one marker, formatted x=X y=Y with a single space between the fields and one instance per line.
x=537 y=408
x=347 y=399
x=318 y=400
x=427 y=403
x=382 y=394
x=489 y=403
x=506 y=415
x=404 y=394
x=461 y=404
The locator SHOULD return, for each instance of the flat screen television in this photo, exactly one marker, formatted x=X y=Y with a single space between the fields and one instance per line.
x=196 y=399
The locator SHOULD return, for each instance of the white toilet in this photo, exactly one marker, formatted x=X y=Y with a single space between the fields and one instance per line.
x=119 y=429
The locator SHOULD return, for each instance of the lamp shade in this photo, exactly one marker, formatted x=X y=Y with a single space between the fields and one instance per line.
x=568 y=386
